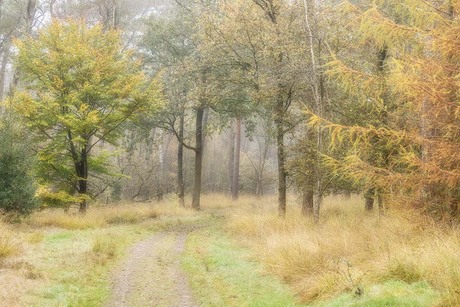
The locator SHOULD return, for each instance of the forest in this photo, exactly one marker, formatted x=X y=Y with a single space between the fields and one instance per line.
x=265 y=152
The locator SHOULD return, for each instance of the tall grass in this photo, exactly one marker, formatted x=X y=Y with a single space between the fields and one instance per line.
x=101 y=216
x=350 y=249
x=9 y=244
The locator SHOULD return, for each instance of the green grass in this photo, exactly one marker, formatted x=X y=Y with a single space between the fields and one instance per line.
x=390 y=293
x=221 y=274
x=77 y=264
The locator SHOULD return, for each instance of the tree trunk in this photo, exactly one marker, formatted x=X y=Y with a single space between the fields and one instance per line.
x=236 y=164
x=317 y=80
x=198 y=158
x=380 y=202
x=5 y=58
x=204 y=128
x=307 y=201
x=31 y=11
x=163 y=155
x=83 y=190
x=82 y=171
x=281 y=159
x=369 y=199
x=231 y=159
x=180 y=164
x=318 y=201
x=319 y=145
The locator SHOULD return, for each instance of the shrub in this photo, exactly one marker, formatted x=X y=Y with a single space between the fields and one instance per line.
x=17 y=187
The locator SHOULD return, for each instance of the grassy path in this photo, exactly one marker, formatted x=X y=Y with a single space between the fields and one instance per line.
x=222 y=273
x=194 y=264
x=151 y=274
x=174 y=260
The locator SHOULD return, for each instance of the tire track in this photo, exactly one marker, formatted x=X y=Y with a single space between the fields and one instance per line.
x=151 y=274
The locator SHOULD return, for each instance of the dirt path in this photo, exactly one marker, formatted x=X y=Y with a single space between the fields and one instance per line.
x=151 y=274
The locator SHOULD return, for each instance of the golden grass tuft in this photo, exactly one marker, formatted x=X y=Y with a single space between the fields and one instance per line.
x=9 y=244
x=222 y=201
x=61 y=219
x=350 y=248
x=104 y=249
x=35 y=237
x=126 y=214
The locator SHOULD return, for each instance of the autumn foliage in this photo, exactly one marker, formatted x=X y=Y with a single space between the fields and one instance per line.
x=416 y=98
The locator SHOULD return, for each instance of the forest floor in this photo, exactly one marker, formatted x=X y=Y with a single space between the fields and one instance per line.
x=228 y=254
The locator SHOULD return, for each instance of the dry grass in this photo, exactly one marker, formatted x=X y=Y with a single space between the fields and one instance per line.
x=35 y=237
x=14 y=278
x=222 y=201
x=59 y=258
x=14 y=287
x=350 y=249
x=61 y=219
x=101 y=216
x=347 y=251
x=9 y=244
x=104 y=249
x=106 y=245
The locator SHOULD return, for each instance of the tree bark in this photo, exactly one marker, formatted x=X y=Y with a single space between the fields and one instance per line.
x=307 y=201
x=5 y=58
x=281 y=159
x=162 y=185
x=83 y=190
x=380 y=202
x=236 y=164
x=82 y=171
x=231 y=159
x=317 y=81
x=198 y=158
x=180 y=164
x=369 y=199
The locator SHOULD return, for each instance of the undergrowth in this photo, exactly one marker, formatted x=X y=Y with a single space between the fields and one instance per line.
x=351 y=251
x=350 y=258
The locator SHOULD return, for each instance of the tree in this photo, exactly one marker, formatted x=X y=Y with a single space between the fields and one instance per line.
x=83 y=88
x=17 y=184
x=17 y=19
x=259 y=41
x=193 y=83
x=168 y=45
x=420 y=133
